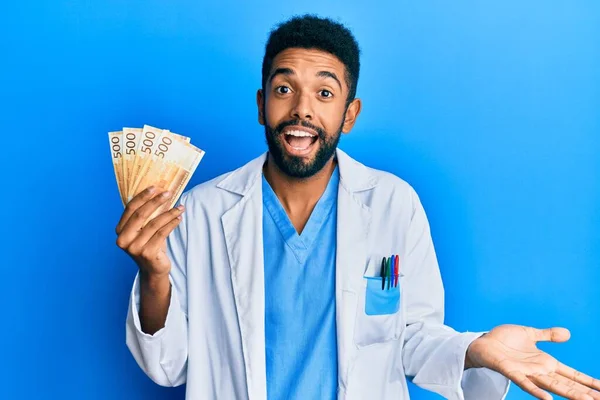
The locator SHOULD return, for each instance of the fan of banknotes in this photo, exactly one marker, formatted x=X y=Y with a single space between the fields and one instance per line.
x=149 y=156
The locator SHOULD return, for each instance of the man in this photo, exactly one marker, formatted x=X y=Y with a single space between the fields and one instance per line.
x=270 y=284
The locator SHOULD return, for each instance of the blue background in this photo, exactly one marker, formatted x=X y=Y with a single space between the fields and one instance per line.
x=489 y=109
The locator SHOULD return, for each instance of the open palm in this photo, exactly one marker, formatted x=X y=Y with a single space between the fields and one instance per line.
x=511 y=350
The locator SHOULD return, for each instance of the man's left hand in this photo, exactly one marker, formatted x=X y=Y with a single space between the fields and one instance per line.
x=511 y=350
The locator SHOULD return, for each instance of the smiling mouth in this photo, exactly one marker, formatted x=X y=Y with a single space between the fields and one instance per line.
x=300 y=140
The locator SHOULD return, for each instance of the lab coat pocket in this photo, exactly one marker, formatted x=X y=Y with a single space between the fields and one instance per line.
x=380 y=301
x=379 y=313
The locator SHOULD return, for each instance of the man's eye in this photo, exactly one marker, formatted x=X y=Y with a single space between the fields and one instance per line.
x=326 y=93
x=282 y=89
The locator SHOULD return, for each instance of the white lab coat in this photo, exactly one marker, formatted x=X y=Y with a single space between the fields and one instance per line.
x=214 y=336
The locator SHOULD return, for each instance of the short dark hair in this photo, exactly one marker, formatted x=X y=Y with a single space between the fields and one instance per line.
x=313 y=32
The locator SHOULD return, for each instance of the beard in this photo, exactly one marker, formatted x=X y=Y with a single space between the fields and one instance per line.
x=299 y=167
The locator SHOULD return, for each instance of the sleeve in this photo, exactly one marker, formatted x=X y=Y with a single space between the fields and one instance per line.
x=163 y=355
x=434 y=354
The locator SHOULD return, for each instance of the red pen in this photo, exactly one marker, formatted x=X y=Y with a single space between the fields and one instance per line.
x=396 y=269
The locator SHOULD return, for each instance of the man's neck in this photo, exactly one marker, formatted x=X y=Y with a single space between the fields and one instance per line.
x=298 y=196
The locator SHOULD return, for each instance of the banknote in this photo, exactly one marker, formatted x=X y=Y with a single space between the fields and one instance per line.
x=131 y=138
x=115 y=140
x=173 y=172
x=187 y=166
x=180 y=137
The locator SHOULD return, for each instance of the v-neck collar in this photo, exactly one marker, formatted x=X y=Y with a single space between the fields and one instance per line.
x=301 y=244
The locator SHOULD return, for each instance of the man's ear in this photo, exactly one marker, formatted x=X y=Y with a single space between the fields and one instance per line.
x=351 y=114
x=260 y=103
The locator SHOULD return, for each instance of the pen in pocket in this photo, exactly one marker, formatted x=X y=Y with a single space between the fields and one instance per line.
x=382 y=273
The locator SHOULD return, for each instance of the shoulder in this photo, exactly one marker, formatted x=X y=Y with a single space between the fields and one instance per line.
x=392 y=189
x=392 y=181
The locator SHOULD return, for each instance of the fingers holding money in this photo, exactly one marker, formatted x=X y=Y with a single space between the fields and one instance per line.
x=140 y=208
x=159 y=238
x=150 y=239
x=146 y=243
x=137 y=213
x=133 y=206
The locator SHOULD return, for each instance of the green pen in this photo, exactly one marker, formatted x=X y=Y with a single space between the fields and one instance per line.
x=387 y=266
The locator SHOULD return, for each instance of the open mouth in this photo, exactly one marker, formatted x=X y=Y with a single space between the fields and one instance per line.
x=299 y=141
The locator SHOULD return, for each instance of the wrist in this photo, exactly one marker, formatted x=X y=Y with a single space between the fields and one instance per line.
x=468 y=363
x=471 y=355
x=155 y=283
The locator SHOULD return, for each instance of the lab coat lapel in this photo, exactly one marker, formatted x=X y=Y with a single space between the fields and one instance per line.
x=353 y=224
x=243 y=229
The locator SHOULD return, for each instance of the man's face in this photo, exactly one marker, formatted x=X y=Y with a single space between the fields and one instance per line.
x=304 y=110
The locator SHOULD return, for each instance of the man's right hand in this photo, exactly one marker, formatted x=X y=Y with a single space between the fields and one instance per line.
x=146 y=244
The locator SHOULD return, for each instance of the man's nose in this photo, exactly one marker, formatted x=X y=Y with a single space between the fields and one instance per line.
x=302 y=108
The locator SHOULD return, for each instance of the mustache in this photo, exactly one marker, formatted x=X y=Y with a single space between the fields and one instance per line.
x=296 y=122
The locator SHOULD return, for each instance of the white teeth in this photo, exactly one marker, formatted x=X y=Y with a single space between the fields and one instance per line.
x=299 y=134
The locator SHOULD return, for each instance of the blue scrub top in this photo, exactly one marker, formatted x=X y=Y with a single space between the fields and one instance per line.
x=300 y=328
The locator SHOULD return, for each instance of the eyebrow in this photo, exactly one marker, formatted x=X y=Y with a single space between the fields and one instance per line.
x=327 y=74
x=280 y=71
x=288 y=72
